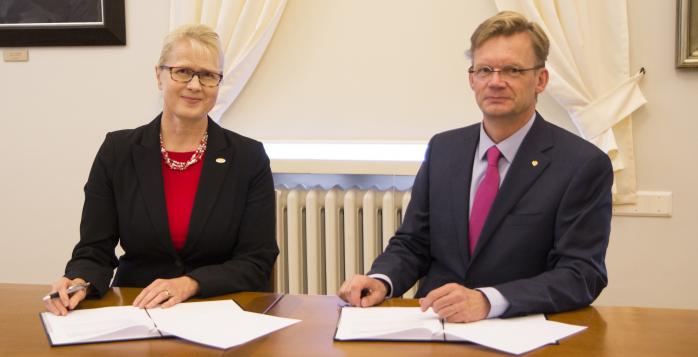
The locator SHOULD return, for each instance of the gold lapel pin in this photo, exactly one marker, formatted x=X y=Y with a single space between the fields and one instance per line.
x=534 y=163
x=220 y=160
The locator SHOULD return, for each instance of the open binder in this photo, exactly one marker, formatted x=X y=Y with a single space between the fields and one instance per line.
x=220 y=324
x=513 y=335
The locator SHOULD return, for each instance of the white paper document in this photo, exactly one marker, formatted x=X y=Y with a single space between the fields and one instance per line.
x=97 y=325
x=220 y=324
x=513 y=335
x=388 y=323
x=216 y=323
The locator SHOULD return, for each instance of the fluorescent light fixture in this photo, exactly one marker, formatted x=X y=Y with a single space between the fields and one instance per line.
x=346 y=151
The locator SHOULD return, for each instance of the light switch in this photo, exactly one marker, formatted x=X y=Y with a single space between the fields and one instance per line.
x=16 y=55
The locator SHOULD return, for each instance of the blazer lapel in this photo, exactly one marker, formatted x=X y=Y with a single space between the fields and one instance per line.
x=462 y=163
x=217 y=162
x=147 y=161
x=529 y=163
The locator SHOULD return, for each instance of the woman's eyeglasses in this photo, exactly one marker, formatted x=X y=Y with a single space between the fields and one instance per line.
x=184 y=75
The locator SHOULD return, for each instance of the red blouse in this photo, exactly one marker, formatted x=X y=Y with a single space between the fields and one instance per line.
x=180 y=191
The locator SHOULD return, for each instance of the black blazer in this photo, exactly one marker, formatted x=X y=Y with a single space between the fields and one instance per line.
x=544 y=243
x=230 y=245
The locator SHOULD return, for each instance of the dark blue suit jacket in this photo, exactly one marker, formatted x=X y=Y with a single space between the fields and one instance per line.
x=230 y=245
x=544 y=242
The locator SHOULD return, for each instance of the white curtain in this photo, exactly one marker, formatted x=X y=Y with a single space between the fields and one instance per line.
x=590 y=76
x=245 y=28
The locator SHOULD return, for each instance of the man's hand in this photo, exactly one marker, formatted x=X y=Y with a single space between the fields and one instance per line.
x=166 y=292
x=65 y=302
x=362 y=291
x=456 y=303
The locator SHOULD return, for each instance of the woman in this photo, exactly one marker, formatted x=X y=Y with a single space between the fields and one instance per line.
x=191 y=204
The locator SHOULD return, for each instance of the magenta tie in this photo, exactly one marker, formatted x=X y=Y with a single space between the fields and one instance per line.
x=484 y=196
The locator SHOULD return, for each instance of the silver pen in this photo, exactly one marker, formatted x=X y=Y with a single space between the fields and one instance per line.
x=71 y=290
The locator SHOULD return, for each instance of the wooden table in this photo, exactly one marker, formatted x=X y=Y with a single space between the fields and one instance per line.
x=613 y=331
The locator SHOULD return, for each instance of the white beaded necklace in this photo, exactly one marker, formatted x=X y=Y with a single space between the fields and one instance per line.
x=180 y=165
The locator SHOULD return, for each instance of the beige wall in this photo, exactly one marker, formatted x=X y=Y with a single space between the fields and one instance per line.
x=54 y=113
x=364 y=70
x=333 y=68
x=654 y=261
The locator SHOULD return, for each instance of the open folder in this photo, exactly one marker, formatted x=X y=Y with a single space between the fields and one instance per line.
x=513 y=335
x=220 y=324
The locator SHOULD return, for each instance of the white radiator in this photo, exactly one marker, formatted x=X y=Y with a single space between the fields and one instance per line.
x=326 y=236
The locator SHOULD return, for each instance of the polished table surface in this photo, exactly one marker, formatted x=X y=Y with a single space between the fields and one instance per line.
x=612 y=331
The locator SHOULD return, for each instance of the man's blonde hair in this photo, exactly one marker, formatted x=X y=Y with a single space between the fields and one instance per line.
x=201 y=37
x=507 y=23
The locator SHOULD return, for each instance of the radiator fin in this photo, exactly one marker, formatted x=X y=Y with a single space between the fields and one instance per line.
x=325 y=236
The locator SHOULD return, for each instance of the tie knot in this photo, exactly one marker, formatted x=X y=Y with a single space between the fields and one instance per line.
x=493 y=155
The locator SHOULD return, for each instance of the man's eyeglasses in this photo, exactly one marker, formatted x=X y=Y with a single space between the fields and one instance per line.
x=184 y=75
x=506 y=72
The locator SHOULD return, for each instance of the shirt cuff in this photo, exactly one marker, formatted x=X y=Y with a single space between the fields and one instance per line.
x=498 y=303
x=385 y=279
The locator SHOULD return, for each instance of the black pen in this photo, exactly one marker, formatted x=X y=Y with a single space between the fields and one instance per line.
x=71 y=290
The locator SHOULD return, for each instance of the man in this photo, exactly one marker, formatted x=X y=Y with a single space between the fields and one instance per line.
x=509 y=217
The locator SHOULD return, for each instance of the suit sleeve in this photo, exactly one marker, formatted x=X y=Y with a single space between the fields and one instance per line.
x=576 y=271
x=407 y=256
x=93 y=258
x=250 y=266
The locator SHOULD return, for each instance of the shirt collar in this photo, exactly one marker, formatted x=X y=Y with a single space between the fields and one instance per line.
x=509 y=146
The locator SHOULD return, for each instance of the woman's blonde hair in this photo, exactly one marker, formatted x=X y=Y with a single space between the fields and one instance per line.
x=507 y=23
x=201 y=37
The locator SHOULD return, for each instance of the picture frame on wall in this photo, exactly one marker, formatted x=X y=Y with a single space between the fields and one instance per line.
x=62 y=23
x=687 y=34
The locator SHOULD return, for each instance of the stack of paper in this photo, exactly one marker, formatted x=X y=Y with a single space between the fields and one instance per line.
x=96 y=325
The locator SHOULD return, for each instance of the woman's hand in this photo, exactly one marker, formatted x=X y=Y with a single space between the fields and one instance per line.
x=64 y=303
x=166 y=292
